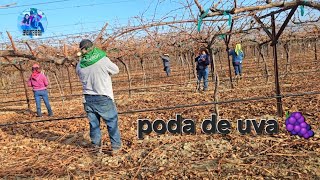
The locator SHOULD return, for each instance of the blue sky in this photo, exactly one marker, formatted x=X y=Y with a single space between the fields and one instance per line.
x=79 y=16
x=76 y=16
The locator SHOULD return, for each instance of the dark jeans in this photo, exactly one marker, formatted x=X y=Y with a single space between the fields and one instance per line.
x=203 y=74
x=96 y=107
x=237 y=68
x=167 y=69
x=44 y=95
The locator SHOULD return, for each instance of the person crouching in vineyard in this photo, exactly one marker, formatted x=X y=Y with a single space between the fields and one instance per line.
x=166 y=63
x=202 y=69
x=95 y=70
x=39 y=83
x=237 y=57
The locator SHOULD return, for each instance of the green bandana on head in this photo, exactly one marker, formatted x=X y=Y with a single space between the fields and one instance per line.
x=92 y=57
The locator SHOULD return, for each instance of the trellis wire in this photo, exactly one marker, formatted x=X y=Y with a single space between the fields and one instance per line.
x=167 y=108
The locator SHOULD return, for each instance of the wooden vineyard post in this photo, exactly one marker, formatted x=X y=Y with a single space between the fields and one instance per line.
x=128 y=73
x=274 y=37
x=219 y=58
x=304 y=45
x=266 y=72
x=275 y=56
x=25 y=86
x=229 y=64
x=144 y=78
x=259 y=51
x=315 y=50
x=49 y=82
x=182 y=65
x=60 y=88
x=227 y=41
x=215 y=79
x=188 y=63
x=287 y=51
x=65 y=53
x=191 y=57
x=69 y=79
x=212 y=62
x=216 y=95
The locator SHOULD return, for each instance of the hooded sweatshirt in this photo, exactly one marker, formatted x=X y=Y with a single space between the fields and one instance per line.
x=38 y=81
x=94 y=71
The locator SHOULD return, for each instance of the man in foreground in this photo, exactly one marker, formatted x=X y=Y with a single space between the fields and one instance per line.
x=95 y=70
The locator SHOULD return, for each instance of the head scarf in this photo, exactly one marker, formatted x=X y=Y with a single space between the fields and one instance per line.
x=238 y=49
x=35 y=70
x=92 y=57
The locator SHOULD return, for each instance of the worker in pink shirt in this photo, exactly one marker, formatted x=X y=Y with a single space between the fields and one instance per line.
x=39 y=82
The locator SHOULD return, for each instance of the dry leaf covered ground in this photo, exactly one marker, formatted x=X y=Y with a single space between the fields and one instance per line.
x=60 y=149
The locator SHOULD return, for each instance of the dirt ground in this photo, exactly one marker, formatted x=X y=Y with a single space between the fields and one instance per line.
x=60 y=149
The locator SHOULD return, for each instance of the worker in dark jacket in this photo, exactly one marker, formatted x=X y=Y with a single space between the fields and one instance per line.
x=202 y=68
x=166 y=63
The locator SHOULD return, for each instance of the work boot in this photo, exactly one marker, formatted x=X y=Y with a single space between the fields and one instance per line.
x=115 y=152
x=96 y=149
x=236 y=78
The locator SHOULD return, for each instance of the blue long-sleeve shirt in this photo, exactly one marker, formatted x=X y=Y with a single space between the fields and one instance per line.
x=235 y=57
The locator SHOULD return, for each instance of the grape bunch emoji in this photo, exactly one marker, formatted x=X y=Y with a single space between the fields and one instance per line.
x=296 y=125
